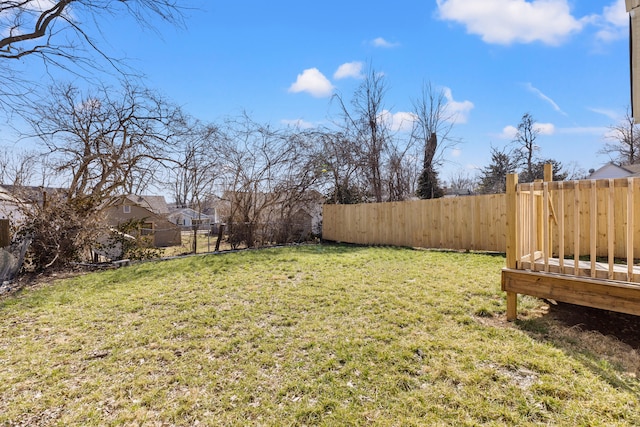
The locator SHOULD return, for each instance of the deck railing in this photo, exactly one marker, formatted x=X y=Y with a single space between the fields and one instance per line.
x=581 y=228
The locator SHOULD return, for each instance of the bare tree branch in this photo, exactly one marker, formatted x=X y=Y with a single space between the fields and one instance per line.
x=61 y=34
x=623 y=146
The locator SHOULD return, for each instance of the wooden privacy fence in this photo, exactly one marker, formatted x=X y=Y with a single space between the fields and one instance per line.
x=467 y=222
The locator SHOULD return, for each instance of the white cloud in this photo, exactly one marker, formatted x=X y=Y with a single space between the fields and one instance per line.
x=349 y=69
x=456 y=152
x=545 y=128
x=401 y=121
x=611 y=114
x=544 y=97
x=20 y=20
x=589 y=130
x=459 y=111
x=313 y=82
x=616 y=14
x=614 y=22
x=298 y=123
x=380 y=42
x=510 y=132
x=513 y=21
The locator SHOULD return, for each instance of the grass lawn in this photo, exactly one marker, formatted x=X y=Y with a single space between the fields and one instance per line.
x=309 y=335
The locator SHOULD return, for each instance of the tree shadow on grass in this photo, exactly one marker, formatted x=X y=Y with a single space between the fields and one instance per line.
x=606 y=342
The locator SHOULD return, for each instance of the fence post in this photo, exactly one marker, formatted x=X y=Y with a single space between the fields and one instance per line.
x=548 y=177
x=512 y=240
x=220 y=234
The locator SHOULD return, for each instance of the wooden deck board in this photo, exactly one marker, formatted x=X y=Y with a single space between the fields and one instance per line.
x=618 y=273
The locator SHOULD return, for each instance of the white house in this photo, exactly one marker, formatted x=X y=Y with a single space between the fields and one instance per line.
x=187 y=218
x=611 y=170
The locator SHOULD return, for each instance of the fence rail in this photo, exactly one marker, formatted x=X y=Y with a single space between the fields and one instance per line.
x=467 y=222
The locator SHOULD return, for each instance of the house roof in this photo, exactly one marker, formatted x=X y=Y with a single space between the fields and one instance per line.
x=611 y=170
x=191 y=213
x=31 y=194
x=156 y=204
x=634 y=169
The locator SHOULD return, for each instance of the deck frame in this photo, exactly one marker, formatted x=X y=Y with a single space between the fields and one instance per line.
x=534 y=269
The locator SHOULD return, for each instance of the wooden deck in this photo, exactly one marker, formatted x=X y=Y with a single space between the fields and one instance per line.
x=605 y=294
x=577 y=220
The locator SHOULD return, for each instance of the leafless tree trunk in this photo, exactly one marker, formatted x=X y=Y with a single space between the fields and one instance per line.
x=431 y=116
x=253 y=157
x=431 y=130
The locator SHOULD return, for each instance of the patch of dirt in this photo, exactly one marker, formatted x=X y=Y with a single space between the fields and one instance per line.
x=36 y=281
x=624 y=327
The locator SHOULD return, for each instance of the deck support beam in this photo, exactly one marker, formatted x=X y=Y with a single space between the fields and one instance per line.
x=512 y=241
x=611 y=295
x=512 y=306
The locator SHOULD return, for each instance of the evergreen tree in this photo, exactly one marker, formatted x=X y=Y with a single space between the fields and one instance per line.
x=428 y=186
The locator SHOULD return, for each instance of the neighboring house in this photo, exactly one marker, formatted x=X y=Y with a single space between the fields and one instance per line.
x=187 y=218
x=15 y=199
x=457 y=192
x=304 y=216
x=10 y=206
x=152 y=211
x=611 y=170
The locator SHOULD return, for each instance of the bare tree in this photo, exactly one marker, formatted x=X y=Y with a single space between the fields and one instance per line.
x=253 y=157
x=432 y=125
x=339 y=159
x=297 y=183
x=623 y=146
x=526 y=139
x=403 y=171
x=198 y=165
x=19 y=167
x=100 y=143
x=106 y=141
x=462 y=182
x=369 y=129
x=60 y=33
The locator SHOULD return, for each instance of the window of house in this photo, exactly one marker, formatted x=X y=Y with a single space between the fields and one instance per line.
x=126 y=209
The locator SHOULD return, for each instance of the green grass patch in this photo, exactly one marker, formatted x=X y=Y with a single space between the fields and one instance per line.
x=311 y=335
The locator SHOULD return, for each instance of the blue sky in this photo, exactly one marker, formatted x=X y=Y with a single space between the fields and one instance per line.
x=564 y=62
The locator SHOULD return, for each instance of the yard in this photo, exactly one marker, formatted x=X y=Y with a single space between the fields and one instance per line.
x=309 y=335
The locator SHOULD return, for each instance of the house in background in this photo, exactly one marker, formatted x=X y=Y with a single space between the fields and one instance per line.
x=152 y=211
x=288 y=220
x=611 y=170
x=10 y=205
x=15 y=200
x=187 y=218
